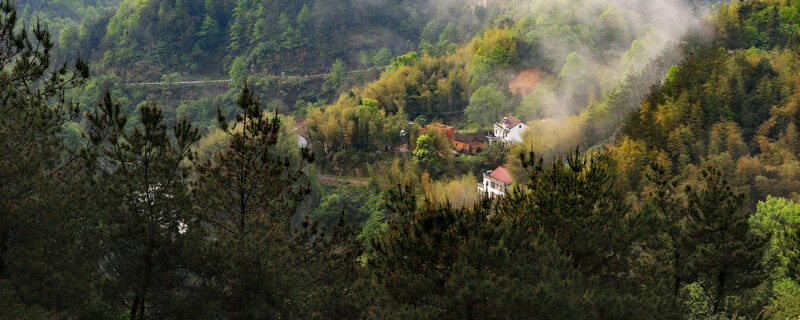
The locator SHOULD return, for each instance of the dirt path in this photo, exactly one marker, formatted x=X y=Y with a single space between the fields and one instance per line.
x=328 y=179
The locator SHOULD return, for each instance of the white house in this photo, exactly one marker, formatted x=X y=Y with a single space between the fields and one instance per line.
x=509 y=130
x=495 y=182
x=302 y=134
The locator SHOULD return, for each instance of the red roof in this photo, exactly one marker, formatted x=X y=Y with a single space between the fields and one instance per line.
x=510 y=122
x=501 y=174
x=301 y=128
x=438 y=127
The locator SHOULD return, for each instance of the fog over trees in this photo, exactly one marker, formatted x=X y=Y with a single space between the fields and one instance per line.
x=399 y=159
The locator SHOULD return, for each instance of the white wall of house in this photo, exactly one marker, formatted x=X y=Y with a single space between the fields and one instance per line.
x=509 y=135
x=515 y=134
x=492 y=187
x=499 y=132
x=302 y=142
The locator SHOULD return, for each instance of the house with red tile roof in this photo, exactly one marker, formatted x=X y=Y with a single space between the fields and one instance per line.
x=509 y=131
x=435 y=128
x=496 y=182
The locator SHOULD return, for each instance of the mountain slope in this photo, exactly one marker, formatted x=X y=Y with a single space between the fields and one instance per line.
x=734 y=103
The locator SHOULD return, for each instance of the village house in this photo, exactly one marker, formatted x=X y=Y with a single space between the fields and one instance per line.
x=509 y=131
x=434 y=128
x=470 y=143
x=495 y=183
x=302 y=134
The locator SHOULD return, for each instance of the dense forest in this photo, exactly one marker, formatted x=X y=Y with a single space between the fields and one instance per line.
x=329 y=171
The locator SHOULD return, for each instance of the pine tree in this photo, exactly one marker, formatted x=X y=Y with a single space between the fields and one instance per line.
x=668 y=248
x=149 y=222
x=47 y=261
x=560 y=247
x=789 y=241
x=261 y=262
x=725 y=254
x=575 y=204
x=439 y=262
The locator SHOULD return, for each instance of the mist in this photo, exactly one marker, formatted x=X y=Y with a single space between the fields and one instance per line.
x=608 y=47
x=613 y=38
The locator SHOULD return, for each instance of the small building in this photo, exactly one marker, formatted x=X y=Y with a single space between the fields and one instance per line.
x=496 y=183
x=402 y=149
x=470 y=142
x=509 y=131
x=434 y=128
x=302 y=134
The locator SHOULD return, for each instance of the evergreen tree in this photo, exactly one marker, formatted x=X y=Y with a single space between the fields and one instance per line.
x=726 y=254
x=439 y=262
x=47 y=247
x=559 y=247
x=574 y=203
x=665 y=269
x=150 y=226
x=427 y=155
x=261 y=262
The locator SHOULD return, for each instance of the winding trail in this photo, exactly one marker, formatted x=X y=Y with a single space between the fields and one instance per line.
x=228 y=81
x=329 y=179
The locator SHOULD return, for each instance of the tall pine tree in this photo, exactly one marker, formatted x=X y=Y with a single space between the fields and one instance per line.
x=262 y=257
x=47 y=256
x=726 y=254
x=150 y=225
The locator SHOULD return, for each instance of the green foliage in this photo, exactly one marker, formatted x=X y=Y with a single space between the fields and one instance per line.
x=382 y=58
x=407 y=59
x=224 y=226
x=149 y=224
x=48 y=231
x=62 y=14
x=762 y=24
x=774 y=214
x=258 y=263
x=433 y=87
x=428 y=155
x=731 y=110
x=335 y=80
x=362 y=207
x=493 y=53
x=348 y=133
x=465 y=264
x=726 y=254
x=786 y=304
x=238 y=72
x=486 y=106
x=542 y=247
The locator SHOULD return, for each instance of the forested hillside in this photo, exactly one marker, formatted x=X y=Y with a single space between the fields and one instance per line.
x=59 y=15
x=344 y=168
x=731 y=104
x=294 y=37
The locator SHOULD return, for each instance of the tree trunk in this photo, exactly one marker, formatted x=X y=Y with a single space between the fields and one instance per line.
x=4 y=239
x=135 y=306
x=676 y=286
x=720 y=291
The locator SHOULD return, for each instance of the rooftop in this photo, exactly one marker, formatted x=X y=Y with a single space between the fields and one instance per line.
x=501 y=174
x=510 y=122
x=301 y=128
x=477 y=136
